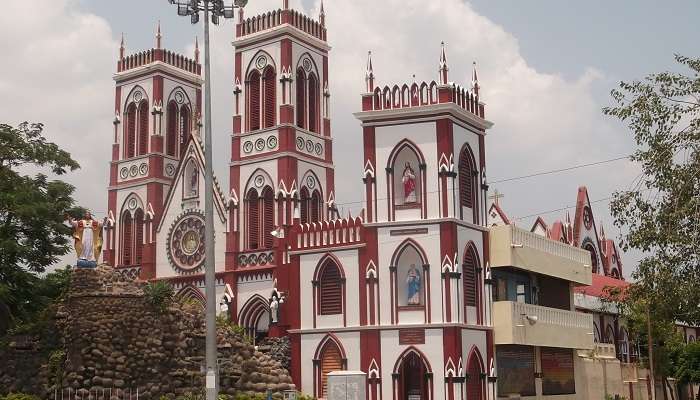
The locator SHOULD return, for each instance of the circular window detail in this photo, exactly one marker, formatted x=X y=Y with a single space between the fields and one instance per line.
x=186 y=242
x=300 y=143
x=307 y=64
x=272 y=142
x=134 y=170
x=310 y=182
x=587 y=217
x=310 y=146
x=318 y=149
x=247 y=147
x=132 y=204
x=259 y=181
x=261 y=62
x=124 y=173
x=260 y=144
x=170 y=170
x=143 y=169
x=138 y=96
x=179 y=98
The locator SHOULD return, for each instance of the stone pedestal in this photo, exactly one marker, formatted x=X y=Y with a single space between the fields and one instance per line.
x=347 y=385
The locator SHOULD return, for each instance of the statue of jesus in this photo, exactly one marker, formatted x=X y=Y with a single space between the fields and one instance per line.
x=409 y=184
x=87 y=234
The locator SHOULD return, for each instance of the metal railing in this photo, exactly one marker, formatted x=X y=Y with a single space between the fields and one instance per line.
x=95 y=394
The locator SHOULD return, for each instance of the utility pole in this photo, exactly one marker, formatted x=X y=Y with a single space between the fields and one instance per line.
x=216 y=9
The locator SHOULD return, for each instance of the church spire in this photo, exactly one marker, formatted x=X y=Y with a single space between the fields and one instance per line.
x=196 y=49
x=475 y=81
x=121 y=48
x=443 y=65
x=322 y=15
x=158 y=36
x=369 y=74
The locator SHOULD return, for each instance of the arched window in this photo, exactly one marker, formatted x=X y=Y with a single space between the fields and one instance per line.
x=330 y=289
x=254 y=100
x=315 y=207
x=331 y=359
x=475 y=383
x=301 y=98
x=143 y=127
x=268 y=207
x=127 y=237
x=185 y=126
x=255 y=318
x=407 y=176
x=470 y=276
x=596 y=333
x=253 y=216
x=138 y=237
x=304 y=205
x=130 y=131
x=410 y=279
x=313 y=103
x=270 y=85
x=467 y=179
x=609 y=335
x=171 y=139
x=594 y=257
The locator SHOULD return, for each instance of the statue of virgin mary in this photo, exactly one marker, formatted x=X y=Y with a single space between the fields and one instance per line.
x=413 y=286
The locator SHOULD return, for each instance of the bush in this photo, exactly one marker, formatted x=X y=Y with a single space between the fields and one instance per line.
x=159 y=294
x=19 y=396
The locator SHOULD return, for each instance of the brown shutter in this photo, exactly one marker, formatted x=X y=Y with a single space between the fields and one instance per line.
x=138 y=240
x=315 y=206
x=126 y=239
x=130 y=137
x=253 y=220
x=301 y=99
x=313 y=103
x=331 y=290
x=466 y=177
x=254 y=96
x=185 y=125
x=143 y=127
x=331 y=360
x=469 y=278
x=171 y=130
x=268 y=217
x=270 y=97
x=304 y=206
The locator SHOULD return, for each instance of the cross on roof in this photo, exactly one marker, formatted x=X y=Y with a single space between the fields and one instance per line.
x=496 y=195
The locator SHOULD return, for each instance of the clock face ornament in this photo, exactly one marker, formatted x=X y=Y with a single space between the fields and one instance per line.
x=186 y=242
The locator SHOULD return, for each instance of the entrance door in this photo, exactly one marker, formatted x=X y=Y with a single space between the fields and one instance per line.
x=412 y=378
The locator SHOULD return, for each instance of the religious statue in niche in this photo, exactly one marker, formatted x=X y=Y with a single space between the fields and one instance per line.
x=413 y=286
x=409 y=184
x=194 y=182
x=87 y=236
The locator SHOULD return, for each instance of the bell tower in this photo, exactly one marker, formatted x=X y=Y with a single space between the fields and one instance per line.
x=281 y=149
x=157 y=103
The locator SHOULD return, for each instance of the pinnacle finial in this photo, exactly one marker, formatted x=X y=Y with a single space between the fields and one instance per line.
x=121 y=48
x=158 y=36
x=369 y=74
x=285 y=4
x=196 y=49
x=443 y=65
x=475 y=80
x=322 y=15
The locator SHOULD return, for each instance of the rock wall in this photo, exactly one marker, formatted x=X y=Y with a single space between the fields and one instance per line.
x=112 y=337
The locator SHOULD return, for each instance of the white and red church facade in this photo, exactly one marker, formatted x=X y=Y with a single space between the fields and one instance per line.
x=397 y=292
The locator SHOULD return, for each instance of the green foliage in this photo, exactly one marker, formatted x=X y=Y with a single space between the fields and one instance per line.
x=661 y=211
x=159 y=294
x=223 y=322
x=19 y=396
x=688 y=364
x=302 y=396
x=57 y=359
x=248 y=396
x=32 y=231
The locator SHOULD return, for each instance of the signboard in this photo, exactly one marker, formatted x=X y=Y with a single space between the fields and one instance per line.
x=404 y=232
x=412 y=336
x=516 y=370
x=557 y=371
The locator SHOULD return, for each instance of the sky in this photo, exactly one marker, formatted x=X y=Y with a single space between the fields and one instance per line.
x=546 y=68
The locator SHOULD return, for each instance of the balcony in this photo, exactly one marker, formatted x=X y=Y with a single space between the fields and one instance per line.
x=528 y=324
x=515 y=247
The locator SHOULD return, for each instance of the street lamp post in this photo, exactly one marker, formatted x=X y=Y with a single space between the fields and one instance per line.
x=217 y=9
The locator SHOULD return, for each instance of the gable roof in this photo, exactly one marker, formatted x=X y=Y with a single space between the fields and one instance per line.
x=599 y=284
x=495 y=208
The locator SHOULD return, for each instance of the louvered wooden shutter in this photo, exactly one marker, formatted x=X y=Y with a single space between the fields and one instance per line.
x=315 y=206
x=127 y=242
x=304 y=206
x=268 y=217
x=171 y=129
x=130 y=139
x=466 y=177
x=138 y=240
x=301 y=99
x=469 y=278
x=143 y=127
x=185 y=125
x=270 y=97
x=474 y=384
x=253 y=220
x=254 y=89
x=313 y=103
x=331 y=360
x=331 y=290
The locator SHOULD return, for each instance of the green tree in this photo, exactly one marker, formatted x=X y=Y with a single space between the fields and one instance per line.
x=32 y=207
x=688 y=365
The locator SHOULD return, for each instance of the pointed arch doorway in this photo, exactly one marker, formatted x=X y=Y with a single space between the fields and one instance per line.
x=412 y=377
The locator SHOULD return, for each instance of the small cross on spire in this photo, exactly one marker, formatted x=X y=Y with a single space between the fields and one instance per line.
x=496 y=196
